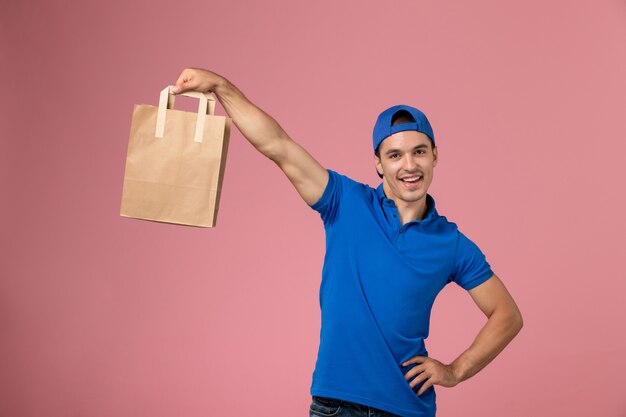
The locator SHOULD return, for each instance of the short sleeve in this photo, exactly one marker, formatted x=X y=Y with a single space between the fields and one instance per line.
x=470 y=266
x=328 y=204
x=337 y=188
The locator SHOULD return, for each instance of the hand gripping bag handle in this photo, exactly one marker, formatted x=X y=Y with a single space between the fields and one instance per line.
x=166 y=101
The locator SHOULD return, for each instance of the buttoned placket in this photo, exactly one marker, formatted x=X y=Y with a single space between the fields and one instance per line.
x=404 y=229
x=398 y=230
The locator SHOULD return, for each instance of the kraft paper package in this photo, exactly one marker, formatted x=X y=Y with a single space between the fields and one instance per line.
x=175 y=162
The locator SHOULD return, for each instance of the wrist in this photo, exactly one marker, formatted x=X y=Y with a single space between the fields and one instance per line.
x=219 y=85
x=458 y=372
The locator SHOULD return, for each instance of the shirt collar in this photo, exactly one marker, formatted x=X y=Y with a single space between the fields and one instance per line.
x=430 y=203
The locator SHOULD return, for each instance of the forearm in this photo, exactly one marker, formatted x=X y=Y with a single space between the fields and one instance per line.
x=500 y=329
x=259 y=128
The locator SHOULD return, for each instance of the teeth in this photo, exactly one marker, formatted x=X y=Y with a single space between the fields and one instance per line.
x=412 y=179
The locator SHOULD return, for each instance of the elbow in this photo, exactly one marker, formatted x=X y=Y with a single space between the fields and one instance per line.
x=517 y=321
x=510 y=318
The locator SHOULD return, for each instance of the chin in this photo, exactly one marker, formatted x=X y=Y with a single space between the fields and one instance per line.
x=413 y=197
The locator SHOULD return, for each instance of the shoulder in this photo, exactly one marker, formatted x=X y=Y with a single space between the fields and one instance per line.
x=342 y=183
x=443 y=225
x=340 y=189
x=452 y=228
x=346 y=180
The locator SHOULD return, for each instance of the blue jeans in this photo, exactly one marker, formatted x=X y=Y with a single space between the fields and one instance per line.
x=330 y=407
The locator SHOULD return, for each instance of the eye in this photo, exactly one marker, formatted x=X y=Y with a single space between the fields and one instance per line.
x=393 y=156
x=420 y=151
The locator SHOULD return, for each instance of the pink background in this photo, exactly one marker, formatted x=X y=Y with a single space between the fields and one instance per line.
x=107 y=316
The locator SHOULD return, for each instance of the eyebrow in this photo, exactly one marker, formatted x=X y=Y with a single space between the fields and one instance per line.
x=390 y=151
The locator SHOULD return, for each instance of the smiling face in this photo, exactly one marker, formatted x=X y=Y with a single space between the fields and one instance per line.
x=406 y=160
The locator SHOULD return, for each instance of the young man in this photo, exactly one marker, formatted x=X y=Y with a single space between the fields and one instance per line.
x=388 y=254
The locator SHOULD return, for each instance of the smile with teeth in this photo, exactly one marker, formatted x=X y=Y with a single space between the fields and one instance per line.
x=411 y=180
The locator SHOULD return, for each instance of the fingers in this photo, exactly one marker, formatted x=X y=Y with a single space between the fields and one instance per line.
x=427 y=384
x=429 y=371
x=198 y=79
x=421 y=377
x=185 y=82
x=415 y=359
x=418 y=369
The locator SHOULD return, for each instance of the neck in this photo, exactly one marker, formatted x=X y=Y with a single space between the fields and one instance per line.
x=408 y=211
x=412 y=211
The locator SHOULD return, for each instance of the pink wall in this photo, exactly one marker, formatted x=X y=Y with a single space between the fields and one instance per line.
x=107 y=316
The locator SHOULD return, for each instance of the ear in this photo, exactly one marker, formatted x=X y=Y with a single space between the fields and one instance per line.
x=379 y=165
x=435 y=156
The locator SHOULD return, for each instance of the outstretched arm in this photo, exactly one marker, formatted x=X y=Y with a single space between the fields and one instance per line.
x=261 y=130
x=503 y=324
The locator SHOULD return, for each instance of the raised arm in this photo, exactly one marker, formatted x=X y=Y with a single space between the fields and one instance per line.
x=262 y=131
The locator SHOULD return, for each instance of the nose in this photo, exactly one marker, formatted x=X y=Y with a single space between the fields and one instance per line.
x=409 y=162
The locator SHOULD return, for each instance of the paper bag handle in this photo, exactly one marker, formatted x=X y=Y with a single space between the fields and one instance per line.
x=166 y=101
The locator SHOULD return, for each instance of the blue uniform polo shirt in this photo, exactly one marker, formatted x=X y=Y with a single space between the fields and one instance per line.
x=379 y=282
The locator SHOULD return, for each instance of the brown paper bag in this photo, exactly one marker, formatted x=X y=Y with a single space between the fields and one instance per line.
x=175 y=162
